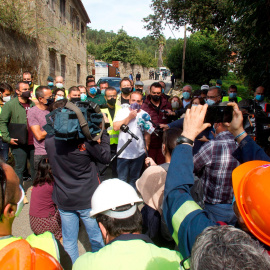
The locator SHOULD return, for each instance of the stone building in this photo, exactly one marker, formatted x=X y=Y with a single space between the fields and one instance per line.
x=53 y=43
x=61 y=38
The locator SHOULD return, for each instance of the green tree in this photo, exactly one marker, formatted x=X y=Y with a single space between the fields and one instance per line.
x=245 y=24
x=206 y=58
x=120 y=48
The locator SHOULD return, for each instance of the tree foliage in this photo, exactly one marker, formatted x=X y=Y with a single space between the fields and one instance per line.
x=110 y=46
x=245 y=24
x=206 y=58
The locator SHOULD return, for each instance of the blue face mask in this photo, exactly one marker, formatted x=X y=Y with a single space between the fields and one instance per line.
x=103 y=92
x=163 y=90
x=194 y=105
x=218 y=86
x=83 y=97
x=59 y=98
x=186 y=95
x=50 y=84
x=232 y=95
x=210 y=102
x=260 y=97
x=93 y=90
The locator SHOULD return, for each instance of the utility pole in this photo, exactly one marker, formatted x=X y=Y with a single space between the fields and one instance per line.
x=184 y=56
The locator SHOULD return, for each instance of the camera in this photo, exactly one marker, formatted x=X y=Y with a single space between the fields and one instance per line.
x=218 y=114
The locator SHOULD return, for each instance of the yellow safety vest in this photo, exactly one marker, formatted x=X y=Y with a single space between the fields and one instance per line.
x=227 y=98
x=113 y=134
x=45 y=241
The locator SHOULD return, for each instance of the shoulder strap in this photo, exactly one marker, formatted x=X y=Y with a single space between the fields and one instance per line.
x=165 y=166
x=83 y=122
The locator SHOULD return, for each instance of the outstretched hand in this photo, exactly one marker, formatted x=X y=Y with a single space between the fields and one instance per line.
x=194 y=121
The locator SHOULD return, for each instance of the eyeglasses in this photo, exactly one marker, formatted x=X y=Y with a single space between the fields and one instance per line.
x=211 y=97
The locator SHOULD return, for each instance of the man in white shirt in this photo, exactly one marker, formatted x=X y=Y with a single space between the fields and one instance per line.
x=131 y=160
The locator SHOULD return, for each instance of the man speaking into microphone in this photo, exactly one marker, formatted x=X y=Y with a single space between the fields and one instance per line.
x=131 y=160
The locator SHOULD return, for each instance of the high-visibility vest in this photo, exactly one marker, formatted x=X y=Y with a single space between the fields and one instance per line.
x=113 y=134
x=227 y=98
x=45 y=241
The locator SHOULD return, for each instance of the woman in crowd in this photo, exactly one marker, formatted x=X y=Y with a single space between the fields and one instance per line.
x=59 y=94
x=151 y=186
x=44 y=216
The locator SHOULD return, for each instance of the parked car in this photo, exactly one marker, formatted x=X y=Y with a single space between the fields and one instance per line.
x=113 y=82
x=101 y=64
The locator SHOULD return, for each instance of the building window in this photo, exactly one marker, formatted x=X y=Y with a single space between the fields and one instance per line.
x=52 y=58
x=63 y=10
x=78 y=73
x=52 y=4
x=63 y=66
x=82 y=32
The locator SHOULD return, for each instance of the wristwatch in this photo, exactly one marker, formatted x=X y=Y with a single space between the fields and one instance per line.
x=182 y=139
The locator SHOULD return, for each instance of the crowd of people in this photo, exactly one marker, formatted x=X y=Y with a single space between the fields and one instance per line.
x=156 y=186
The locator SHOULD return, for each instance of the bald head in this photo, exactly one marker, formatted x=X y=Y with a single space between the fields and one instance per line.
x=59 y=79
x=259 y=91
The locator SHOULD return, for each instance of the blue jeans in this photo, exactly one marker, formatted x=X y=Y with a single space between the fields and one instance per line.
x=130 y=168
x=221 y=212
x=70 y=230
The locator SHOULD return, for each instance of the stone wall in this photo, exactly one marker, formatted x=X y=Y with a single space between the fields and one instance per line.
x=50 y=33
x=17 y=54
x=126 y=68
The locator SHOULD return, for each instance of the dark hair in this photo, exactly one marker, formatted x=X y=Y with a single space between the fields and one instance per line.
x=155 y=84
x=40 y=91
x=204 y=91
x=90 y=78
x=110 y=89
x=233 y=87
x=116 y=227
x=169 y=138
x=58 y=90
x=197 y=93
x=7 y=189
x=28 y=72
x=103 y=82
x=5 y=86
x=44 y=173
x=19 y=83
x=73 y=88
x=216 y=88
x=202 y=101
x=125 y=79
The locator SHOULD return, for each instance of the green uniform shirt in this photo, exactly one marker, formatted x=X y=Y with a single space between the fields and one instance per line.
x=99 y=99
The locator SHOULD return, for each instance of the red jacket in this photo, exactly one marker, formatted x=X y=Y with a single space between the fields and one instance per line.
x=157 y=117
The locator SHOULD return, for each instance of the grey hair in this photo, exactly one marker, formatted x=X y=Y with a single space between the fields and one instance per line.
x=218 y=89
x=225 y=247
x=189 y=86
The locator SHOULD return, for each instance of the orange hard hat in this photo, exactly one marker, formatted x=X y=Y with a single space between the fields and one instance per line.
x=251 y=186
x=20 y=255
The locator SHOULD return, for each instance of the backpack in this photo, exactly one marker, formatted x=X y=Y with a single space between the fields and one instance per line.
x=75 y=121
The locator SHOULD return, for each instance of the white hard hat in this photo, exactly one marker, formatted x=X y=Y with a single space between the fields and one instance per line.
x=111 y=194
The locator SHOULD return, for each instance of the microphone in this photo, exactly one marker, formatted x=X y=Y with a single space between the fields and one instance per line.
x=125 y=129
x=146 y=117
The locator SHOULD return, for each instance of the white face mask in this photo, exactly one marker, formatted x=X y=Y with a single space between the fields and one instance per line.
x=59 y=85
x=20 y=203
x=6 y=99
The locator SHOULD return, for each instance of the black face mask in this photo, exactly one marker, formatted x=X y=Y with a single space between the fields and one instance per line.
x=49 y=101
x=26 y=94
x=126 y=90
x=111 y=101
x=155 y=98
x=75 y=99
